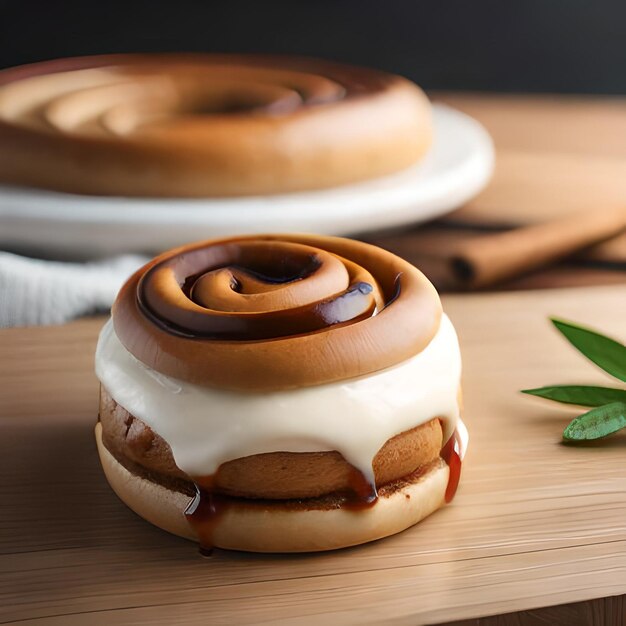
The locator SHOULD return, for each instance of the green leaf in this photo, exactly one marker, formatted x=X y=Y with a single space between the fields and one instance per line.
x=599 y=422
x=579 y=394
x=607 y=353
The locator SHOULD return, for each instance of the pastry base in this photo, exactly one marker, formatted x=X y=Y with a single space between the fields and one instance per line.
x=280 y=527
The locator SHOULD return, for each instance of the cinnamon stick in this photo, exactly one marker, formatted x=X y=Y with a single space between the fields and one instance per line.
x=485 y=260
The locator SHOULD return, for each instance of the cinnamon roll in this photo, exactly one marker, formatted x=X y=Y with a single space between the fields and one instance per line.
x=184 y=125
x=280 y=393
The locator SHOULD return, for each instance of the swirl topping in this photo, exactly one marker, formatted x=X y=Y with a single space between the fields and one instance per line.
x=125 y=95
x=205 y=125
x=275 y=312
x=256 y=290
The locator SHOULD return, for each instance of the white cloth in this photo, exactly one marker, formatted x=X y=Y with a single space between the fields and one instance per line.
x=36 y=292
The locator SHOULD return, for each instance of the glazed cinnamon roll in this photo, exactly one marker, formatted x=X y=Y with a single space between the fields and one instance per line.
x=205 y=125
x=280 y=394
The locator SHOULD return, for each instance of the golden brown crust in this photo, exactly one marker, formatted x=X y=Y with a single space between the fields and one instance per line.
x=232 y=334
x=276 y=475
x=205 y=125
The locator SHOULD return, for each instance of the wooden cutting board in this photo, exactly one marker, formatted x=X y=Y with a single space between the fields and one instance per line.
x=535 y=523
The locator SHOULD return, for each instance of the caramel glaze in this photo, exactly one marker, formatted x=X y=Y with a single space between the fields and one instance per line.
x=246 y=282
x=208 y=507
x=451 y=454
x=275 y=312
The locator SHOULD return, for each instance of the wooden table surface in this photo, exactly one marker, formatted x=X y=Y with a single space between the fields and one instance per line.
x=535 y=523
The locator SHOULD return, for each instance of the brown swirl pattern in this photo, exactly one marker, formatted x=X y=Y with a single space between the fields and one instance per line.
x=275 y=312
x=205 y=125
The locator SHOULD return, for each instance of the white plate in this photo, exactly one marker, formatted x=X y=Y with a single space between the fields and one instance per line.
x=457 y=167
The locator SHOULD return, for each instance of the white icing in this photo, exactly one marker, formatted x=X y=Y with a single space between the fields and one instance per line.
x=206 y=427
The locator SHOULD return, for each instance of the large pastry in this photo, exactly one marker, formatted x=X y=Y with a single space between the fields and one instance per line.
x=205 y=125
x=280 y=394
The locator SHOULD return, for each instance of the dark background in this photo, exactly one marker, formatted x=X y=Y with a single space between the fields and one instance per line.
x=506 y=45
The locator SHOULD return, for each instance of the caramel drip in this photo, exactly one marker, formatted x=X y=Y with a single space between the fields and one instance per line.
x=451 y=454
x=362 y=494
x=204 y=514
x=208 y=506
x=275 y=312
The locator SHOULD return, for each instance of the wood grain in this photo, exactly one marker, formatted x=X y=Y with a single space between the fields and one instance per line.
x=583 y=125
x=556 y=156
x=535 y=523
x=600 y=612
